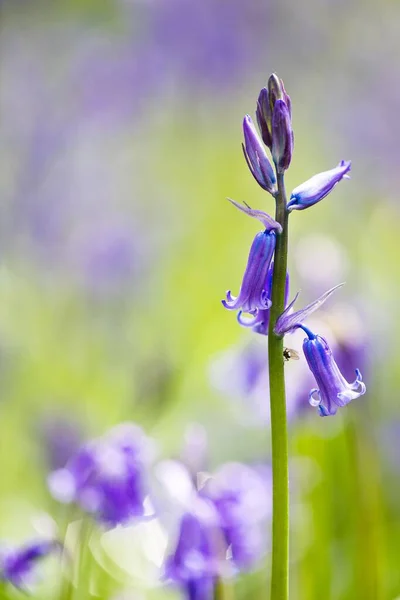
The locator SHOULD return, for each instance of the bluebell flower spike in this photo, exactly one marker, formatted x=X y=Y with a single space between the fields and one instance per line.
x=256 y=157
x=333 y=390
x=315 y=189
x=287 y=322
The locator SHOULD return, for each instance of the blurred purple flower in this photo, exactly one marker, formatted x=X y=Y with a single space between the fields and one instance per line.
x=61 y=436
x=222 y=526
x=243 y=500
x=17 y=565
x=241 y=374
x=195 y=564
x=107 y=476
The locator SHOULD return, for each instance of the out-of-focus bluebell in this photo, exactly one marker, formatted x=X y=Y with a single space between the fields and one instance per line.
x=17 y=565
x=288 y=321
x=107 y=477
x=61 y=436
x=196 y=561
x=256 y=157
x=241 y=375
x=333 y=390
x=222 y=527
x=315 y=189
x=243 y=499
x=350 y=339
x=252 y=296
x=314 y=249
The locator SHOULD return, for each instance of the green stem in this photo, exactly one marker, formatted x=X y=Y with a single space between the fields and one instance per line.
x=280 y=467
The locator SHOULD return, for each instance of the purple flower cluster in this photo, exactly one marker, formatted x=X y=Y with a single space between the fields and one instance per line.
x=107 y=476
x=274 y=113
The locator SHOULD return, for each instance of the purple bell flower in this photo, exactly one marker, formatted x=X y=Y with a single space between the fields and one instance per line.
x=106 y=477
x=333 y=390
x=253 y=295
x=194 y=565
x=261 y=323
x=315 y=189
x=256 y=157
x=17 y=565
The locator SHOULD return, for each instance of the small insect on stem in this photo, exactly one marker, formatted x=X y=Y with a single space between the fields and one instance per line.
x=290 y=354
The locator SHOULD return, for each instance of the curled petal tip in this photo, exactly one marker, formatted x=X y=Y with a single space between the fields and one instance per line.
x=269 y=223
x=288 y=322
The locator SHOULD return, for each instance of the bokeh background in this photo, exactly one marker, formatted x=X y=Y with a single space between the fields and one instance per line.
x=120 y=140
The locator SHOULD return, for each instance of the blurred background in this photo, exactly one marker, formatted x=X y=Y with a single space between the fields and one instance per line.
x=120 y=140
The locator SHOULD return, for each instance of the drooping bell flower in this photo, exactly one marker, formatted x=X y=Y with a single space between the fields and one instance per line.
x=333 y=390
x=315 y=189
x=256 y=157
x=261 y=323
x=253 y=295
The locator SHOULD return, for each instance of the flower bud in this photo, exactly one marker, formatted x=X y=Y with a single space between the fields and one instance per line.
x=256 y=157
x=277 y=91
x=264 y=117
x=282 y=136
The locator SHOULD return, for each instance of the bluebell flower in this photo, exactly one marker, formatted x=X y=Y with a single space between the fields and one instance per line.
x=333 y=390
x=195 y=562
x=253 y=295
x=107 y=477
x=17 y=565
x=261 y=323
x=256 y=157
x=315 y=189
